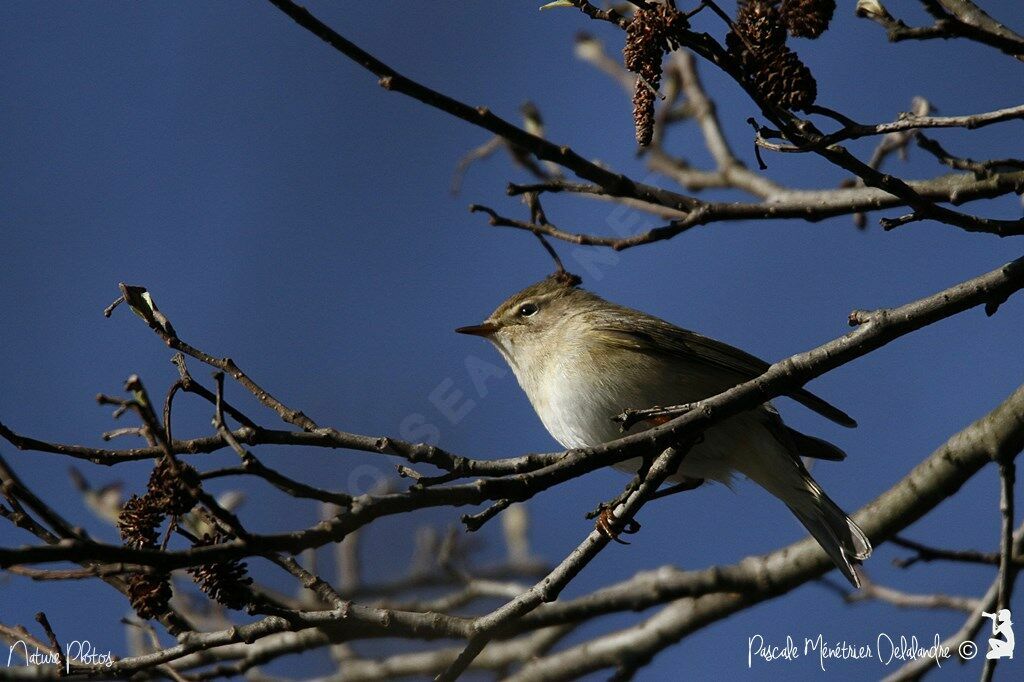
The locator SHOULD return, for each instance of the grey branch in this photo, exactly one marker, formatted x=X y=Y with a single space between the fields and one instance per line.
x=702 y=597
x=532 y=619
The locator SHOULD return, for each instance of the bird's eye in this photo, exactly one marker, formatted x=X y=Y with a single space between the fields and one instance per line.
x=528 y=309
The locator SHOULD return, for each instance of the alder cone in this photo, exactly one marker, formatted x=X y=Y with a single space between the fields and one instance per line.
x=737 y=49
x=643 y=114
x=649 y=36
x=652 y=33
x=149 y=594
x=642 y=51
x=642 y=55
x=171 y=486
x=138 y=521
x=760 y=22
x=784 y=80
x=226 y=582
x=758 y=32
x=807 y=18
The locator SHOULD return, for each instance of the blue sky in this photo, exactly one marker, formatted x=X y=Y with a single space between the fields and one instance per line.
x=286 y=211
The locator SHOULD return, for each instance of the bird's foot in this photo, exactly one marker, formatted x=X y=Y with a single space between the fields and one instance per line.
x=621 y=497
x=608 y=525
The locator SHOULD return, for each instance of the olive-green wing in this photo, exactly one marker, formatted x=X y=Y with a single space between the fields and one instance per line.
x=648 y=334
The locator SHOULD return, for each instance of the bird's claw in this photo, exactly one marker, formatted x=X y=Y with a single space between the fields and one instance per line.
x=607 y=522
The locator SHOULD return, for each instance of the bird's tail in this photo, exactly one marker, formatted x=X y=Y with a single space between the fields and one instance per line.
x=838 y=535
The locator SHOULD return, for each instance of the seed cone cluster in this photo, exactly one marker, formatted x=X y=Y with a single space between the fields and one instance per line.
x=171 y=492
x=172 y=486
x=758 y=44
x=149 y=594
x=226 y=582
x=138 y=522
x=807 y=18
x=760 y=22
x=648 y=38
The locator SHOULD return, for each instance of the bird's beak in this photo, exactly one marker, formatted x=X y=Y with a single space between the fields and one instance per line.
x=485 y=329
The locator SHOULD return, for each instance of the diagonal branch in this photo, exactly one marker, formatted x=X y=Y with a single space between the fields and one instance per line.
x=953 y=19
x=614 y=183
x=874 y=331
x=549 y=587
x=704 y=597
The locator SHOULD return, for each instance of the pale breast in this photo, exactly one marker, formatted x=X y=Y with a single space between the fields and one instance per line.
x=577 y=410
x=577 y=396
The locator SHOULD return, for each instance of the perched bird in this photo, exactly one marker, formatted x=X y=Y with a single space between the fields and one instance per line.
x=581 y=360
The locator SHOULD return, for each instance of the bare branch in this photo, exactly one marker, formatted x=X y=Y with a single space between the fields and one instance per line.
x=444 y=595
x=953 y=19
x=925 y=553
x=906 y=600
x=548 y=589
x=1007 y=572
x=614 y=183
x=913 y=670
x=703 y=597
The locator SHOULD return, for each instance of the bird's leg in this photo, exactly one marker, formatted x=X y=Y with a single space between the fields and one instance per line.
x=607 y=523
x=641 y=474
x=681 y=487
x=605 y=513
